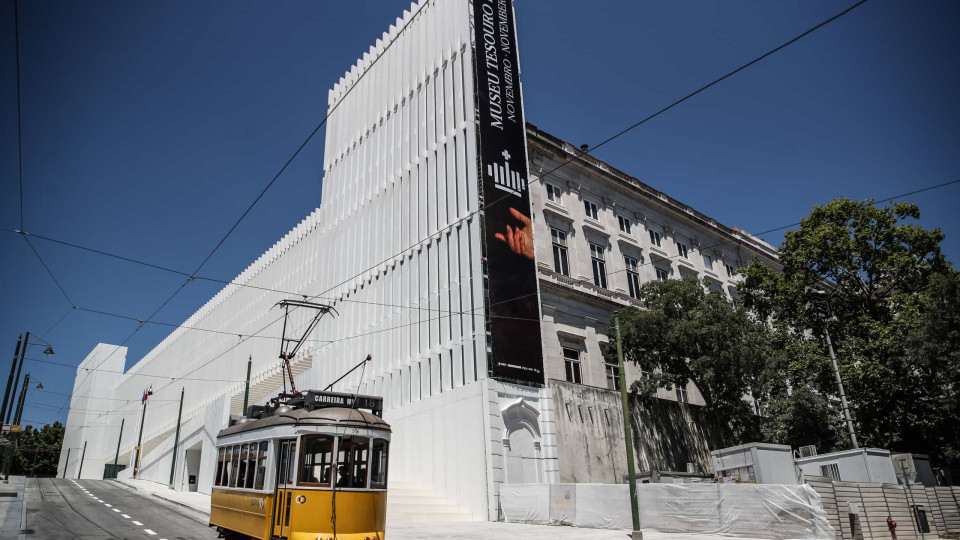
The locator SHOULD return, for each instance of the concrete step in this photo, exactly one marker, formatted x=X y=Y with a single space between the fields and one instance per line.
x=412 y=503
x=425 y=518
x=416 y=499
x=407 y=508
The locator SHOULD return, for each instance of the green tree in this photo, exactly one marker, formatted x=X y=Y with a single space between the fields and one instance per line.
x=38 y=450
x=690 y=333
x=800 y=418
x=883 y=274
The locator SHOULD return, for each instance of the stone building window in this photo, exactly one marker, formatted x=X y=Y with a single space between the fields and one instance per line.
x=571 y=363
x=682 y=250
x=655 y=238
x=613 y=376
x=730 y=270
x=553 y=194
x=591 y=210
x=624 y=224
x=599 y=265
x=708 y=263
x=633 y=276
x=682 y=395
x=662 y=275
x=560 y=263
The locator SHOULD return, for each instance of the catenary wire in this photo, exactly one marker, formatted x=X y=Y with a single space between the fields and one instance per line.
x=270 y=183
x=329 y=342
x=16 y=39
x=540 y=178
x=468 y=216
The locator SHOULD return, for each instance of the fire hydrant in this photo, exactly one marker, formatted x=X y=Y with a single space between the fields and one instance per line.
x=892 y=525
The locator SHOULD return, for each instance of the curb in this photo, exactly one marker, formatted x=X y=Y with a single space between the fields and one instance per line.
x=182 y=504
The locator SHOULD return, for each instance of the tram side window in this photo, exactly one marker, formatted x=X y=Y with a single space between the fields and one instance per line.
x=316 y=459
x=292 y=460
x=378 y=464
x=251 y=466
x=220 y=466
x=261 y=466
x=244 y=458
x=228 y=468
x=352 y=457
x=235 y=466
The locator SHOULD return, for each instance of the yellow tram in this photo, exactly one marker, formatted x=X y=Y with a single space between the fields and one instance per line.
x=312 y=468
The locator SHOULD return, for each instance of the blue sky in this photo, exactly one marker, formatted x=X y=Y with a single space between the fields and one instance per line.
x=149 y=127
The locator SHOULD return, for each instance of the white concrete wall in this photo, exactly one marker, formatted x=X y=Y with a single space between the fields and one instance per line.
x=88 y=420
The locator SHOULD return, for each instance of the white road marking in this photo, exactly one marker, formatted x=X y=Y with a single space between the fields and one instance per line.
x=116 y=509
x=126 y=516
x=148 y=531
x=138 y=524
x=109 y=505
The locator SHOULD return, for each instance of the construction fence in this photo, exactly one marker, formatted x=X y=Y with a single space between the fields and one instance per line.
x=773 y=511
x=859 y=510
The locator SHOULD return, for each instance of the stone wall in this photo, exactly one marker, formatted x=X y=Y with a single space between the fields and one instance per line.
x=666 y=435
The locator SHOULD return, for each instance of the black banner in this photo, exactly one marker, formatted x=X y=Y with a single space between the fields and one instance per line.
x=514 y=304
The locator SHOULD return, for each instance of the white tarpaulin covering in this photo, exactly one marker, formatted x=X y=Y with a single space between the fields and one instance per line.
x=774 y=511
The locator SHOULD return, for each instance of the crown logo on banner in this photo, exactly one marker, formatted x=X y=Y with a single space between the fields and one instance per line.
x=505 y=179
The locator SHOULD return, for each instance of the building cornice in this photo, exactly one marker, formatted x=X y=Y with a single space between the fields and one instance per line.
x=588 y=164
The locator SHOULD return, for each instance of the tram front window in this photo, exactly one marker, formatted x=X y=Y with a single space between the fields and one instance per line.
x=316 y=460
x=352 y=459
x=378 y=464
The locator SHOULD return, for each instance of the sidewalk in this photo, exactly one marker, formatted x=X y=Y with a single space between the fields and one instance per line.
x=198 y=502
x=12 y=507
x=429 y=531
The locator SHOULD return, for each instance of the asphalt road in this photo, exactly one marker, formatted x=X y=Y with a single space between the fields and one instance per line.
x=58 y=509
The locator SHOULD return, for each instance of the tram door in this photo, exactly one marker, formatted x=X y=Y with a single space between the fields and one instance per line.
x=283 y=498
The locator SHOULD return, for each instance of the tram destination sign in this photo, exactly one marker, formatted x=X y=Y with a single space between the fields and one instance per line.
x=514 y=303
x=317 y=399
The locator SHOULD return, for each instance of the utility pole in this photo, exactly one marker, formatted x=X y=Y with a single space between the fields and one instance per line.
x=13 y=370
x=143 y=416
x=82 y=455
x=66 y=464
x=23 y=397
x=843 y=395
x=627 y=434
x=246 y=391
x=119 y=438
x=176 y=438
x=16 y=381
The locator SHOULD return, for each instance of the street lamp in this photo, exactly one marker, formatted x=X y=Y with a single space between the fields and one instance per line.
x=23 y=398
x=819 y=304
x=18 y=356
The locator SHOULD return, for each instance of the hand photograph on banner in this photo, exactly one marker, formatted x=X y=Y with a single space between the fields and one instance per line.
x=520 y=239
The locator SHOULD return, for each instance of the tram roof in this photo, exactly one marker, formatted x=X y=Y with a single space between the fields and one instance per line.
x=330 y=416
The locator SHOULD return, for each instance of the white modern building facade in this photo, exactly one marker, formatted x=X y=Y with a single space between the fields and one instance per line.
x=399 y=248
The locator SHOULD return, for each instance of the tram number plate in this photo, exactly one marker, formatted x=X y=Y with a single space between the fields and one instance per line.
x=254 y=501
x=354 y=430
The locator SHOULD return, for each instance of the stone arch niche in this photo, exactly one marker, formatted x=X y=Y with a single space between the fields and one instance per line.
x=522 y=444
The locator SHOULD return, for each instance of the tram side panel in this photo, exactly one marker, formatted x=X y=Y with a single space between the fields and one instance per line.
x=245 y=513
x=239 y=501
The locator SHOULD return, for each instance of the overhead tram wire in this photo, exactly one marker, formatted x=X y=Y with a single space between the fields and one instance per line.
x=381 y=330
x=323 y=122
x=199 y=277
x=782 y=227
x=329 y=342
x=16 y=39
x=540 y=178
x=609 y=139
x=617 y=135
